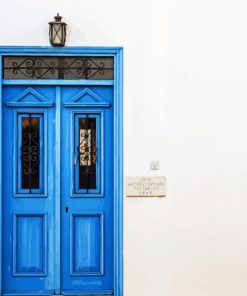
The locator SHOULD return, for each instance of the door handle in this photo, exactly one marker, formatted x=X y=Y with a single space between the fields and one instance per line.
x=66 y=209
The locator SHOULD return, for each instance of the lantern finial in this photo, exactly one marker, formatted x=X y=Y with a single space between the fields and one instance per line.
x=58 y=18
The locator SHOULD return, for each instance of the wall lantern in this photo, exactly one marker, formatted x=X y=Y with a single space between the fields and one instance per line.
x=57 y=31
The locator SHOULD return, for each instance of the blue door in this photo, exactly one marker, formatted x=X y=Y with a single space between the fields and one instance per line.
x=57 y=190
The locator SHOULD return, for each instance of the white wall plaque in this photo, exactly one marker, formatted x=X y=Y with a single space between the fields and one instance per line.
x=145 y=186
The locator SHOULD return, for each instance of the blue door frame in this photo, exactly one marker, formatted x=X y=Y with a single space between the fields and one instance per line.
x=117 y=83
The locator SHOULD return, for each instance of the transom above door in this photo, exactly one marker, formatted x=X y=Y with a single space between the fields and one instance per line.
x=61 y=191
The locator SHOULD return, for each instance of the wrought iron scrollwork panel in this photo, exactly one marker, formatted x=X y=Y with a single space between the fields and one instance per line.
x=30 y=152
x=98 y=68
x=87 y=153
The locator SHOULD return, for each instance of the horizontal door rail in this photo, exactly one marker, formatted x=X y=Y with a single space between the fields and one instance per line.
x=56 y=82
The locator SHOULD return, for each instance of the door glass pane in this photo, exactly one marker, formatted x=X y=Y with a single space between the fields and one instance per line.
x=30 y=145
x=87 y=153
x=30 y=152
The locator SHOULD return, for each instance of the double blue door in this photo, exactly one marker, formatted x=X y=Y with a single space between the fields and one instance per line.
x=57 y=190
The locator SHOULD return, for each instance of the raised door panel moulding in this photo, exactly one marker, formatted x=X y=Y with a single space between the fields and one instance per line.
x=87 y=244
x=29 y=98
x=87 y=98
x=30 y=244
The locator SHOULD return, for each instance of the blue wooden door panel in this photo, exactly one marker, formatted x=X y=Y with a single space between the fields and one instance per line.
x=28 y=216
x=87 y=214
x=87 y=244
x=31 y=208
x=29 y=244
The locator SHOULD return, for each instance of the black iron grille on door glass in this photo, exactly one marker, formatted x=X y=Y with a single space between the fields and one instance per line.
x=33 y=67
x=30 y=152
x=87 y=153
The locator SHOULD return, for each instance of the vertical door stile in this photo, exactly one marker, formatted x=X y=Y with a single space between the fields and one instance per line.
x=118 y=176
x=57 y=265
x=1 y=194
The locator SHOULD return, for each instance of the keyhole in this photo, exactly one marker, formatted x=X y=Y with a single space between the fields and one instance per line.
x=67 y=209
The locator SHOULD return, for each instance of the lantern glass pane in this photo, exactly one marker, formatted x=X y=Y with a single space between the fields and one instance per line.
x=57 y=33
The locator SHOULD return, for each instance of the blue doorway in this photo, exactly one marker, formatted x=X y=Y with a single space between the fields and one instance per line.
x=62 y=180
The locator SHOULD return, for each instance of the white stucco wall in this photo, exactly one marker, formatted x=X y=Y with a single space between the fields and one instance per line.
x=185 y=104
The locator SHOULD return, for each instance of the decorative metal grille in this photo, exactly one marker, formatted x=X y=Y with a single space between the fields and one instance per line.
x=87 y=153
x=30 y=152
x=33 y=67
